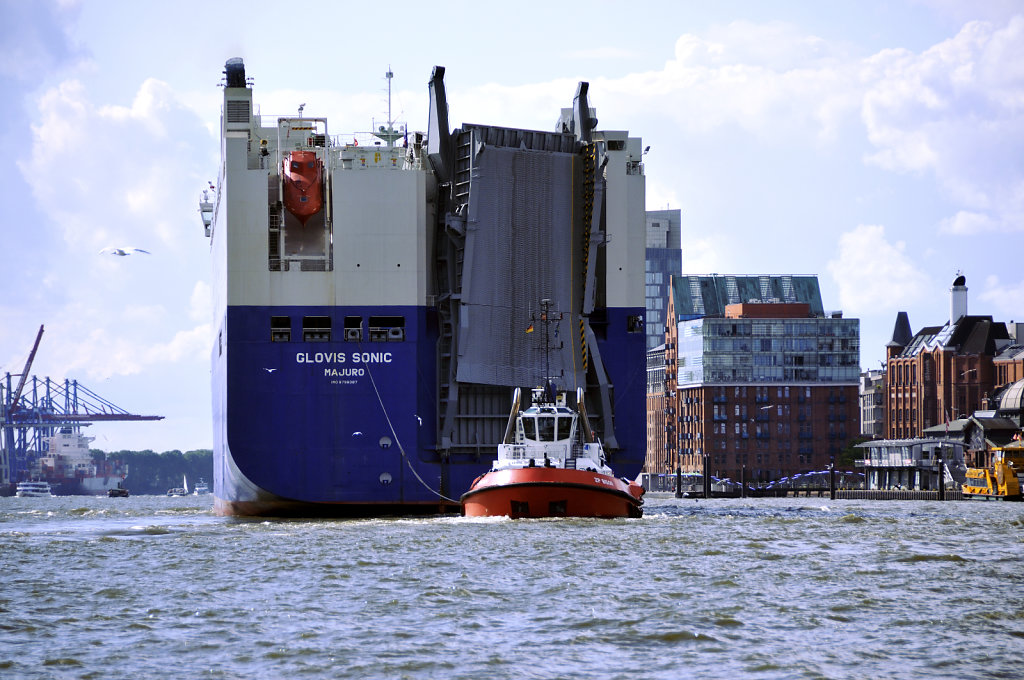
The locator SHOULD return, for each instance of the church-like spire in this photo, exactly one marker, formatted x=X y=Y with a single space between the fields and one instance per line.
x=901 y=335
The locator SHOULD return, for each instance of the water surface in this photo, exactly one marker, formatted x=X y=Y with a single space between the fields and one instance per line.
x=761 y=588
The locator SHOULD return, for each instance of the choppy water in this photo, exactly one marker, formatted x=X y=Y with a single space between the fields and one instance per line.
x=760 y=588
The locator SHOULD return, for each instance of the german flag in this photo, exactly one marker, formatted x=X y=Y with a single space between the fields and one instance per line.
x=529 y=329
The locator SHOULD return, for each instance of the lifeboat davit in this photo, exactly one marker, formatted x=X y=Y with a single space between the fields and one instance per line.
x=550 y=465
x=303 y=184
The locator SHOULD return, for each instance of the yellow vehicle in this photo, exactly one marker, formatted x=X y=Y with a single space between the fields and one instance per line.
x=1003 y=481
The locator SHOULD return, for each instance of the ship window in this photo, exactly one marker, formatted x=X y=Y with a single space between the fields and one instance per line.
x=530 y=428
x=564 y=427
x=353 y=328
x=280 y=329
x=546 y=429
x=296 y=165
x=316 y=329
x=635 y=323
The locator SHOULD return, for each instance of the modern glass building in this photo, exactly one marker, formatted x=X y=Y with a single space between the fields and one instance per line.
x=779 y=350
x=761 y=382
x=664 y=260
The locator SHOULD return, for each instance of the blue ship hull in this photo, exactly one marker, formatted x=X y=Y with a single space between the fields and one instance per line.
x=348 y=428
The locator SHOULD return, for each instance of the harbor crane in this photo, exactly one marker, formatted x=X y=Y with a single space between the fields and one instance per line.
x=32 y=409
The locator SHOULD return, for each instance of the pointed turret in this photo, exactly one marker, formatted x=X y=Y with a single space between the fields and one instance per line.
x=901 y=336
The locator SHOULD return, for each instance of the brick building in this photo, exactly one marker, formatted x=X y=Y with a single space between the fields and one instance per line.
x=942 y=373
x=759 y=379
x=655 y=460
x=1009 y=362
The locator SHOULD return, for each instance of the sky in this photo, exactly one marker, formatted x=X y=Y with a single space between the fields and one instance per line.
x=876 y=144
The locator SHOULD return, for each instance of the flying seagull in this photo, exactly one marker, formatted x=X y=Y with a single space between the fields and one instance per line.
x=122 y=251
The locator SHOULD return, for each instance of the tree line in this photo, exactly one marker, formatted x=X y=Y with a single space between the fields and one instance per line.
x=154 y=473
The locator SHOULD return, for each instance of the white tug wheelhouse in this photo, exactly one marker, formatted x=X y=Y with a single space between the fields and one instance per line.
x=550 y=434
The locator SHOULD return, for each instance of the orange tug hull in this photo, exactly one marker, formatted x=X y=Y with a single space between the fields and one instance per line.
x=551 y=492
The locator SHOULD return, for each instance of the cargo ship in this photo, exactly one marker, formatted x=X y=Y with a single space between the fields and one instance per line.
x=368 y=297
x=70 y=469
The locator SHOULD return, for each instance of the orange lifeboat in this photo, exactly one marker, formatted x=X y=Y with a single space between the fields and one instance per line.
x=303 y=184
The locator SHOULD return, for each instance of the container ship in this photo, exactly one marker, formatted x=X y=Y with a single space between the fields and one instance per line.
x=374 y=299
x=70 y=469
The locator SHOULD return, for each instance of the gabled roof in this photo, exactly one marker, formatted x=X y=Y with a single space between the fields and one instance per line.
x=976 y=335
x=969 y=335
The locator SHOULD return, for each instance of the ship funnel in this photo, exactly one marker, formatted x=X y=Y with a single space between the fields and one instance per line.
x=234 y=69
x=958 y=299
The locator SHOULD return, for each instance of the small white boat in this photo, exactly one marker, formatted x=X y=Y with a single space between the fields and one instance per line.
x=201 y=488
x=33 y=490
x=180 y=490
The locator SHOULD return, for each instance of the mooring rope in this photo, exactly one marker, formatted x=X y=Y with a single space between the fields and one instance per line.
x=398 y=441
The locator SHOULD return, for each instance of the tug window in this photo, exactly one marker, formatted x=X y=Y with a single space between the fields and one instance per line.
x=546 y=428
x=530 y=428
x=564 y=426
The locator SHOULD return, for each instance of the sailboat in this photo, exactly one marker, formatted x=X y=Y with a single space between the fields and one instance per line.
x=180 y=490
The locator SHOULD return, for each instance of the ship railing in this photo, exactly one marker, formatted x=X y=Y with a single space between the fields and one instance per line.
x=524 y=452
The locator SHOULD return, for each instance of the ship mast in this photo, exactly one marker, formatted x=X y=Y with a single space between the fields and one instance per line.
x=388 y=133
x=547 y=319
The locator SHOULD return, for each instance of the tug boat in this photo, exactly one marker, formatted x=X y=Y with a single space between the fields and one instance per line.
x=118 y=492
x=551 y=465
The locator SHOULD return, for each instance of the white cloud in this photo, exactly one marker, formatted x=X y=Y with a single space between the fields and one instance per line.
x=1006 y=300
x=606 y=52
x=868 y=268
x=966 y=223
x=192 y=345
x=955 y=110
x=771 y=80
x=117 y=175
x=201 y=302
x=702 y=255
x=114 y=175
